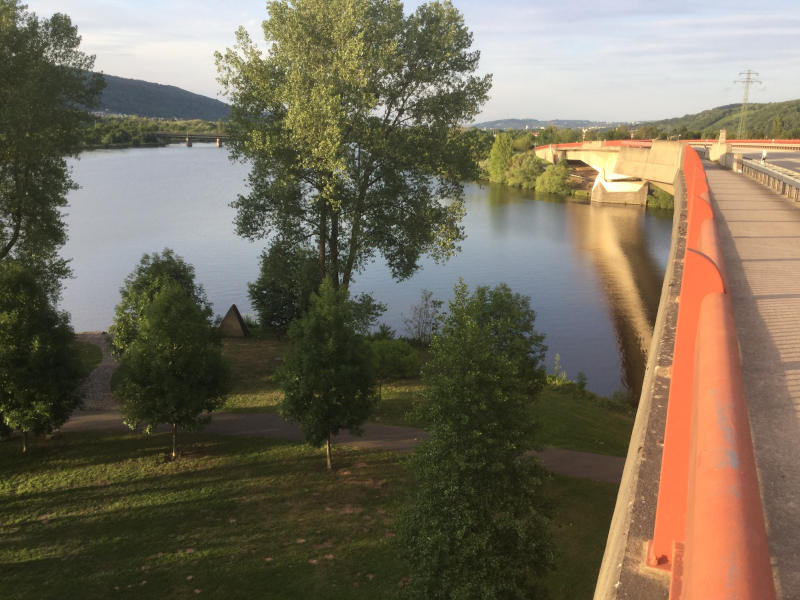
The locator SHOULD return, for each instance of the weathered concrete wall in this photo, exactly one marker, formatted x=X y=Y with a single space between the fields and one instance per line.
x=623 y=574
x=619 y=192
x=660 y=163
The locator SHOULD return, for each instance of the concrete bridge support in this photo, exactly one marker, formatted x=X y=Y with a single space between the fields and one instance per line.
x=620 y=192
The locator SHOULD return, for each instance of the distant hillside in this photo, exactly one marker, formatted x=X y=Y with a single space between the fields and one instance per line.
x=536 y=124
x=760 y=119
x=146 y=99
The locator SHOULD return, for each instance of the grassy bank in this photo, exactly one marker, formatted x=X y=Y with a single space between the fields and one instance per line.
x=88 y=354
x=567 y=417
x=98 y=516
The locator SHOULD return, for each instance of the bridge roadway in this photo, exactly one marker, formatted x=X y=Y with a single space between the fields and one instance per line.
x=786 y=160
x=760 y=239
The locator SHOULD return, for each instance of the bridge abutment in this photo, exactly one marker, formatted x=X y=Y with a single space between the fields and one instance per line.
x=619 y=192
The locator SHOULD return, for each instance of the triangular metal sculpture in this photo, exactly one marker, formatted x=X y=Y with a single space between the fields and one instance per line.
x=233 y=325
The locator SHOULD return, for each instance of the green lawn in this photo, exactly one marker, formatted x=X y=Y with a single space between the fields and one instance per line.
x=580 y=525
x=253 y=362
x=399 y=403
x=103 y=516
x=88 y=354
x=567 y=417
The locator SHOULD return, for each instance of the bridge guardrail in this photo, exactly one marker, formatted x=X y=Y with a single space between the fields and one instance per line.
x=709 y=528
x=782 y=181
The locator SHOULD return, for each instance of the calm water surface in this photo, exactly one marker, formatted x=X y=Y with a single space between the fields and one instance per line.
x=593 y=273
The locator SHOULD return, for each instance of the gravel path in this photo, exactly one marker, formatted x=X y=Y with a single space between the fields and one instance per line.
x=101 y=413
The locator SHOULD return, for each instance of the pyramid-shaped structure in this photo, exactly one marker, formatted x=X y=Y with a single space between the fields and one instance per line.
x=233 y=325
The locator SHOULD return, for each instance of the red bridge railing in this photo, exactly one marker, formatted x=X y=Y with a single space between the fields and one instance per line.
x=709 y=529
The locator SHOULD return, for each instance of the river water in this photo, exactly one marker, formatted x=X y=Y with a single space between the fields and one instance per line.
x=593 y=273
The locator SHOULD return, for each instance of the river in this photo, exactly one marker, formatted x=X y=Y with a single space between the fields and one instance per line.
x=593 y=273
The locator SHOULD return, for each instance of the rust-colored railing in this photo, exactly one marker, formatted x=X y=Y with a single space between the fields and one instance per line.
x=709 y=529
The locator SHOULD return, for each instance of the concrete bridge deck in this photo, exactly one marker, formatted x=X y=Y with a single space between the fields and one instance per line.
x=759 y=244
x=760 y=238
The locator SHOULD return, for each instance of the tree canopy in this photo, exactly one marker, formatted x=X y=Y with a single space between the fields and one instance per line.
x=150 y=276
x=39 y=371
x=327 y=376
x=288 y=276
x=46 y=85
x=500 y=158
x=555 y=179
x=172 y=370
x=476 y=527
x=349 y=122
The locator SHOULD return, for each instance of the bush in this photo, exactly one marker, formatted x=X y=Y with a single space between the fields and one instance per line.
x=524 y=170
x=424 y=319
x=555 y=180
x=658 y=198
x=394 y=359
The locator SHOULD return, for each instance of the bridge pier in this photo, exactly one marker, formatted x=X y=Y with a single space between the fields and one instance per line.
x=188 y=141
x=219 y=142
x=619 y=192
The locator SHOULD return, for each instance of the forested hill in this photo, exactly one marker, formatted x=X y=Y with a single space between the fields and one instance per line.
x=146 y=99
x=537 y=124
x=778 y=118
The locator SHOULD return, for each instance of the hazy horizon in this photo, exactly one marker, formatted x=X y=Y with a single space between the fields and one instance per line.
x=619 y=61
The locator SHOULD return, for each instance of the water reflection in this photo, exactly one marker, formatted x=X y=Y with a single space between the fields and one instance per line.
x=625 y=249
x=614 y=239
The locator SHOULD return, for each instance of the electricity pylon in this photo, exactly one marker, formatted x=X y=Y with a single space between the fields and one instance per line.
x=748 y=79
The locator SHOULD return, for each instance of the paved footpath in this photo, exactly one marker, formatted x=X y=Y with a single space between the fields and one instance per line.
x=760 y=238
x=597 y=467
x=101 y=413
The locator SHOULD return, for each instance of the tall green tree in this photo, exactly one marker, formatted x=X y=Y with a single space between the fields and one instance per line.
x=348 y=120
x=327 y=375
x=288 y=276
x=39 y=371
x=476 y=527
x=150 y=276
x=46 y=85
x=173 y=371
x=500 y=158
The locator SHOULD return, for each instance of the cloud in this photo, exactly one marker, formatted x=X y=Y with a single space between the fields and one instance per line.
x=619 y=59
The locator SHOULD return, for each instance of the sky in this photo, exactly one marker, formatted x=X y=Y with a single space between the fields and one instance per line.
x=615 y=60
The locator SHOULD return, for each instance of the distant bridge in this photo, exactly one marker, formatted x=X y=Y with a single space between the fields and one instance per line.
x=189 y=138
x=627 y=168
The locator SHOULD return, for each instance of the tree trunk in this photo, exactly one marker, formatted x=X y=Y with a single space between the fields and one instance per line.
x=321 y=234
x=174 y=441
x=25 y=442
x=328 y=452
x=334 y=249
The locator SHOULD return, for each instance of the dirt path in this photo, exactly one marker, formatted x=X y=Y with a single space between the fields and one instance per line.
x=97 y=389
x=101 y=413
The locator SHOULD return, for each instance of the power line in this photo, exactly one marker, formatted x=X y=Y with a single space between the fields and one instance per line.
x=748 y=79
